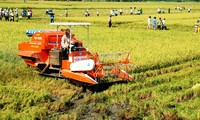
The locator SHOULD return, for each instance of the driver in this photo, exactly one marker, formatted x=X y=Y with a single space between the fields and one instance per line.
x=65 y=43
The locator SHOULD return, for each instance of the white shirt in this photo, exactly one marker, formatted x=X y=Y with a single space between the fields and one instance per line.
x=158 y=10
x=149 y=20
x=12 y=14
x=65 y=41
x=163 y=21
x=131 y=10
x=111 y=12
x=29 y=13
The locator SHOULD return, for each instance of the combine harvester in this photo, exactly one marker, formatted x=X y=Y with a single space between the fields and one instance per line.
x=44 y=52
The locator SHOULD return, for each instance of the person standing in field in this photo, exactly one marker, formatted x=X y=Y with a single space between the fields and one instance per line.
x=189 y=9
x=87 y=12
x=12 y=16
x=1 y=14
x=28 y=15
x=6 y=16
x=47 y=11
x=154 y=23
x=159 y=24
x=168 y=10
x=159 y=10
x=110 y=21
x=121 y=11
x=97 y=12
x=149 y=23
x=66 y=12
x=51 y=17
x=116 y=13
x=110 y=11
x=126 y=12
x=140 y=10
x=163 y=10
x=16 y=14
x=113 y=12
x=31 y=12
x=196 y=26
x=164 y=27
x=131 y=11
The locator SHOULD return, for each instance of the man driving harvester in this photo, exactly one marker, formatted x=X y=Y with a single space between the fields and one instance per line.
x=65 y=44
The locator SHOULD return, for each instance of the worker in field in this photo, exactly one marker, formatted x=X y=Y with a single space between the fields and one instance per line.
x=66 y=12
x=149 y=23
x=51 y=17
x=164 y=27
x=116 y=12
x=12 y=16
x=110 y=21
x=65 y=43
x=24 y=13
x=141 y=11
x=47 y=11
x=168 y=10
x=120 y=11
x=6 y=14
x=196 y=26
x=1 y=14
x=28 y=15
x=154 y=23
x=159 y=24
x=16 y=12
x=31 y=12
x=87 y=12
x=189 y=9
x=159 y=10
x=97 y=12
x=131 y=11
x=162 y=10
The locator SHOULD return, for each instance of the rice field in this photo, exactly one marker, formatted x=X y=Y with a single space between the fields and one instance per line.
x=166 y=73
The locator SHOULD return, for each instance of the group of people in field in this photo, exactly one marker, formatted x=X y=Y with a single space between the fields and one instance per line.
x=154 y=24
x=12 y=15
x=180 y=8
x=162 y=10
x=8 y=14
x=115 y=12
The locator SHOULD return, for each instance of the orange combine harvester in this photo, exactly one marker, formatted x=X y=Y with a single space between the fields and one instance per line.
x=44 y=52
